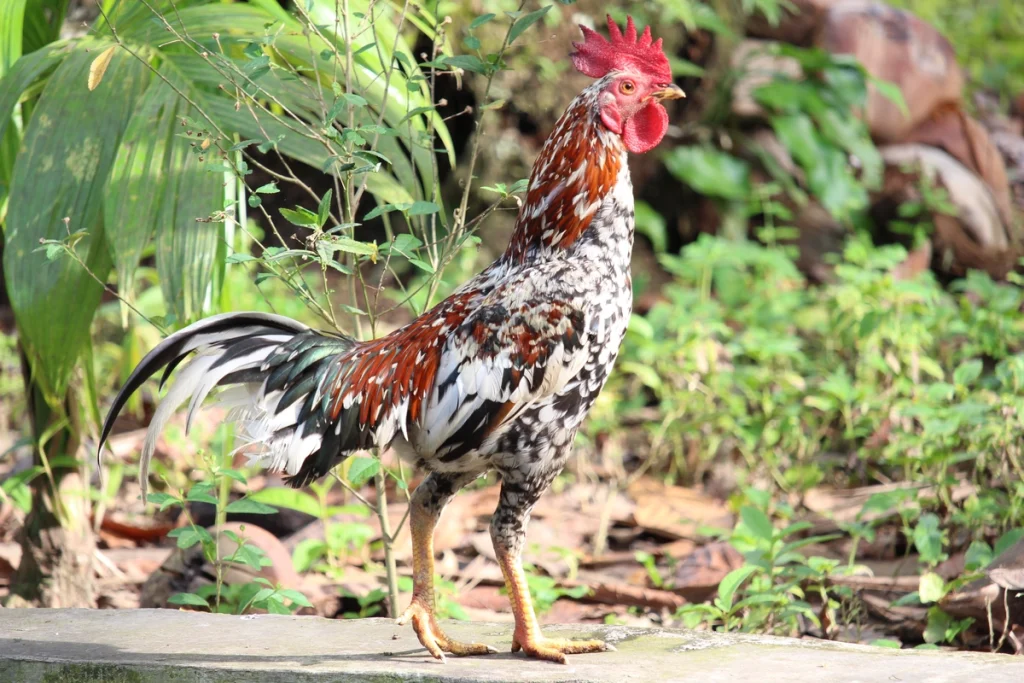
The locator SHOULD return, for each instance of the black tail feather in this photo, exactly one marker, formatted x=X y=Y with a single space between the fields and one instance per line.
x=169 y=353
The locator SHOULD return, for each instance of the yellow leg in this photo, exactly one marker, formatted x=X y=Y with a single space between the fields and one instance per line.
x=508 y=529
x=426 y=506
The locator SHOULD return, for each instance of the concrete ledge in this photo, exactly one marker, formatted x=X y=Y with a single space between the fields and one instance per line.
x=147 y=646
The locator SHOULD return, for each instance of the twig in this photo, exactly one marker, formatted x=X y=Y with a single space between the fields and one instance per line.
x=348 y=487
x=385 y=532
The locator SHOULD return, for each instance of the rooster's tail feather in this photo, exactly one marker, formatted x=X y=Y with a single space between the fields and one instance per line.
x=275 y=369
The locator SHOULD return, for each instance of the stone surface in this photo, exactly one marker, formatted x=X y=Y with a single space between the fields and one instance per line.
x=146 y=646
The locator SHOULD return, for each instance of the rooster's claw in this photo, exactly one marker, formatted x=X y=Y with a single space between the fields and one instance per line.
x=433 y=638
x=555 y=649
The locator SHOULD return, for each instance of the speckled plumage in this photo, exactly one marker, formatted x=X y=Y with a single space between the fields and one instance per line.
x=499 y=376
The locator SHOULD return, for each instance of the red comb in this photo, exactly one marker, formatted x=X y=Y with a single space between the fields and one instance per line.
x=596 y=56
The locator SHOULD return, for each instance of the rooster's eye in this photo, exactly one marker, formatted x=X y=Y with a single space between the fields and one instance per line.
x=627 y=87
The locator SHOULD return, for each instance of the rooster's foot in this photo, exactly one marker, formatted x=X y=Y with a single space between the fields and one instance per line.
x=433 y=638
x=555 y=649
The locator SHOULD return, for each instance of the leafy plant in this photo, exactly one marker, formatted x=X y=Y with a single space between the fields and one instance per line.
x=220 y=597
x=769 y=593
x=157 y=121
x=742 y=360
x=742 y=354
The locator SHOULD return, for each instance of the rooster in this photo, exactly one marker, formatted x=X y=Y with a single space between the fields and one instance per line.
x=498 y=376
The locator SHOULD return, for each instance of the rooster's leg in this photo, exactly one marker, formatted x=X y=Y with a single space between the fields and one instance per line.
x=428 y=500
x=508 y=531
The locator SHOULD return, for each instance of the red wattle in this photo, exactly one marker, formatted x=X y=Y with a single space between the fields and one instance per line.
x=645 y=129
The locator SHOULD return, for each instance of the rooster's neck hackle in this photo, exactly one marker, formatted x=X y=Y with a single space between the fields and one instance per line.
x=577 y=169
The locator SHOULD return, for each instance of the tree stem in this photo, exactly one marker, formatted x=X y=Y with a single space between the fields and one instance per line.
x=389 y=542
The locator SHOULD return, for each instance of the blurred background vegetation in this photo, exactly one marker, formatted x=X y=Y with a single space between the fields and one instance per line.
x=814 y=427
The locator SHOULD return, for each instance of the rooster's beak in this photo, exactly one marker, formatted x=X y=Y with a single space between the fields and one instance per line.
x=669 y=92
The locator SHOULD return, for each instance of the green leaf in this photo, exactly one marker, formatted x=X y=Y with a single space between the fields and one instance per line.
x=243 y=144
x=783 y=94
x=43 y=22
x=979 y=554
x=188 y=536
x=757 y=522
x=361 y=470
x=887 y=643
x=645 y=373
x=164 y=500
x=353 y=99
x=405 y=244
x=908 y=600
x=938 y=624
x=249 y=555
x=422 y=265
x=931 y=587
x=257 y=68
x=235 y=475
x=928 y=538
x=931 y=367
x=159 y=187
x=851 y=134
x=467 y=63
x=138 y=180
x=480 y=21
x=526 y=21
x=190 y=599
x=797 y=133
x=422 y=208
x=12 y=22
x=651 y=223
x=351 y=246
x=293 y=499
x=416 y=112
x=323 y=211
x=16 y=486
x=827 y=169
x=269 y=188
x=710 y=171
x=308 y=551
x=24 y=73
x=304 y=218
x=200 y=493
x=893 y=93
x=641 y=326
x=731 y=582
x=240 y=257
x=296 y=597
x=381 y=209
x=1007 y=541
x=967 y=372
x=250 y=507
x=60 y=173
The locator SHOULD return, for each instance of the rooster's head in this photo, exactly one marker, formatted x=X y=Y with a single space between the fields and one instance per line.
x=639 y=79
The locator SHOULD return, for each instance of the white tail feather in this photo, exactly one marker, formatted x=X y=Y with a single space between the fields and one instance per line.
x=184 y=384
x=216 y=375
x=280 y=446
